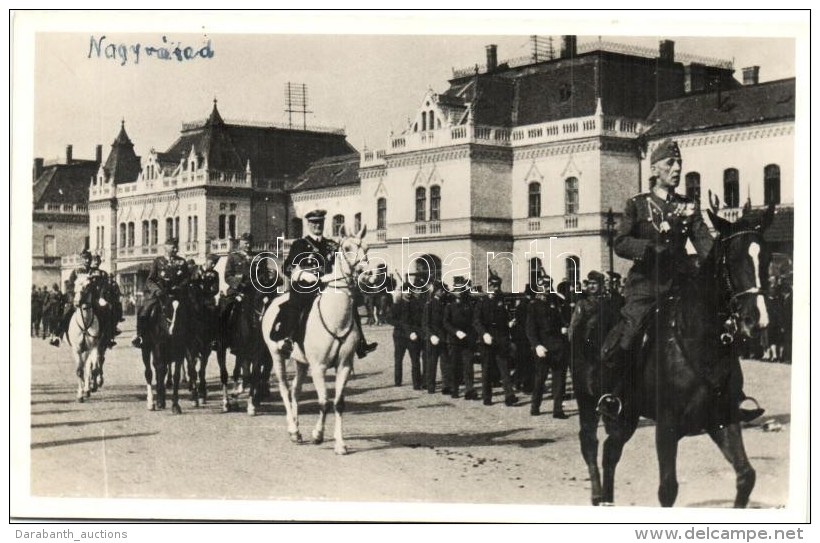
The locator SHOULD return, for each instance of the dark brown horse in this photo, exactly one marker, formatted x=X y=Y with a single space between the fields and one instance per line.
x=687 y=377
x=165 y=344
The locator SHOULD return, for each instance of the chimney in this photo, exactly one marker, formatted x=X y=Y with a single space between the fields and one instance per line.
x=751 y=75
x=694 y=77
x=98 y=155
x=38 y=168
x=69 y=151
x=666 y=51
x=492 y=57
x=569 y=46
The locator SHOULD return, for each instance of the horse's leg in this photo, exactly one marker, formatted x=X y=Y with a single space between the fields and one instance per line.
x=253 y=384
x=730 y=441
x=162 y=371
x=317 y=372
x=100 y=380
x=666 y=444
x=618 y=434
x=193 y=383
x=299 y=379
x=149 y=378
x=588 y=437
x=177 y=364
x=339 y=407
x=91 y=363
x=204 y=353
x=221 y=356
x=79 y=364
x=280 y=370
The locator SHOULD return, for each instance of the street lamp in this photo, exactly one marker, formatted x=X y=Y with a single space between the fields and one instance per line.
x=610 y=230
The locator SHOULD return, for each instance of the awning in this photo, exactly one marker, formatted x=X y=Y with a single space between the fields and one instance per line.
x=134 y=268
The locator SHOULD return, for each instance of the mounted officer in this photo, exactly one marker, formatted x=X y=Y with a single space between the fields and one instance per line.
x=82 y=273
x=492 y=323
x=168 y=276
x=310 y=258
x=209 y=290
x=653 y=233
x=109 y=297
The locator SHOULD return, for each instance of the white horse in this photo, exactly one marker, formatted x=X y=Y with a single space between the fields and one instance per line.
x=83 y=336
x=330 y=340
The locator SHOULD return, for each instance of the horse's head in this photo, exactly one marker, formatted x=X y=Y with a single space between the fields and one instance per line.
x=83 y=291
x=744 y=264
x=353 y=250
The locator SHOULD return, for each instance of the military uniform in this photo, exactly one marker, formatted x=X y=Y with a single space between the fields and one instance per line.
x=523 y=364
x=458 y=317
x=433 y=325
x=545 y=329
x=653 y=233
x=36 y=311
x=105 y=312
x=168 y=274
x=491 y=317
x=81 y=273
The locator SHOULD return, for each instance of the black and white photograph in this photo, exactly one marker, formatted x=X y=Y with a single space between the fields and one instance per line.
x=409 y=267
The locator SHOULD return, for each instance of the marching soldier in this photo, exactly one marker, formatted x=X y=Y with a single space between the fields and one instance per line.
x=401 y=340
x=545 y=331
x=434 y=345
x=616 y=299
x=523 y=374
x=36 y=310
x=592 y=317
x=309 y=259
x=168 y=275
x=653 y=233
x=458 y=324
x=492 y=322
x=209 y=287
x=52 y=308
x=83 y=271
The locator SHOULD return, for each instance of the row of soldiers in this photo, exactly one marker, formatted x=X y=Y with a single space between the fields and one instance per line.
x=46 y=309
x=518 y=339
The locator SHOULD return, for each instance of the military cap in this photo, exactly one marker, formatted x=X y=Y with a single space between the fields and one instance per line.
x=459 y=281
x=544 y=280
x=667 y=148
x=614 y=275
x=55 y=286
x=85 y=254
x=247 y=236
x=494 y=280
x=172 y=241
x=596 y=276
x=317 y=215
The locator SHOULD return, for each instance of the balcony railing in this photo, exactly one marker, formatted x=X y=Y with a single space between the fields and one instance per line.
x=381 y=235
x=559 y=224
x=571 y=221
x=191 y=246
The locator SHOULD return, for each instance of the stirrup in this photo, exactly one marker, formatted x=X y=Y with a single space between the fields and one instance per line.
x=748 y=415
x=365 y=348
x=137 y=342
x=604 y=407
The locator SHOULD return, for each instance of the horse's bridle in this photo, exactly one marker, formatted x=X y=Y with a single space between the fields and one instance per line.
x=732 y=315
x=349 y=282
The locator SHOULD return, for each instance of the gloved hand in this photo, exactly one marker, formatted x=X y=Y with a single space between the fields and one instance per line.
x=488 y=339
x=564 y=330
x=511 y=324
x=413 y=336
x=434 y=339
x=460 y=334
x=102 y=302
x=541 y=351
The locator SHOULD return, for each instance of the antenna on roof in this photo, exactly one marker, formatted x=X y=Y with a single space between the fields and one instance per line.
x=297 y=99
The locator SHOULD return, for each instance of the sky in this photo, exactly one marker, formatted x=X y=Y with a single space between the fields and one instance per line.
x=369 y=85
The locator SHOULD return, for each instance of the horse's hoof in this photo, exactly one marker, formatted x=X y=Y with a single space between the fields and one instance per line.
x=295 y=437
x=340 y=450
x=176 y=409
x=80 y=399
x=251 y=409
x=195 y=403
x=152 y=406
x=318 y=438
x=87 y=393
x=226 y=407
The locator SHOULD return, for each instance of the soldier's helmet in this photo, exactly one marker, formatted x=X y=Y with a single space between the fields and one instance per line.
x=667 y=148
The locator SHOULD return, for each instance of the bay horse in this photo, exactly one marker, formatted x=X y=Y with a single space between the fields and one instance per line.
x=83 y=335
x=164 y=345
x=330 y=340
x=687 y=377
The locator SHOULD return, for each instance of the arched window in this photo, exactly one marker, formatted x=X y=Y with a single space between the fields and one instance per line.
x=223 y=230
x=571 y=196
x=534 y=200
x=423 y=121
x=232 y=226
x=338 y=222
x=731 y=187
x=421 y=201
x=357 y=222
x=130 y=234
x=435 y=202
x=169 y=227
x=693 y=186
x=154 y=232
x=146 y=232
x=176 y=227
x=381 y=213
x=771 y=184
x=432 y=120
x=123 y=235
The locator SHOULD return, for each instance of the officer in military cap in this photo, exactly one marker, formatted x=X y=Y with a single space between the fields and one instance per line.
x=310 y=258
x=168 y=275
x=209 y=285
x=434 y=345
x=653 y=233
x=458 y=323
x=83 y=272
x=613 y=293
x=108 y=297
x=492 y=323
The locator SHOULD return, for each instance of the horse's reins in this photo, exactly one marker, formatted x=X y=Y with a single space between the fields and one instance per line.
x=730 y=324
x=348 y=282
